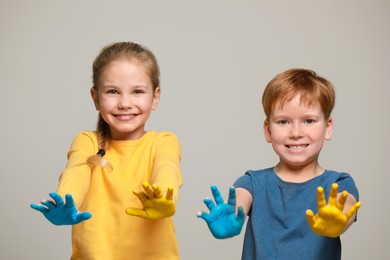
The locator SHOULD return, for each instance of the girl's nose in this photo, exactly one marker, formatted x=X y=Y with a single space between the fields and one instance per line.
x=125 y=102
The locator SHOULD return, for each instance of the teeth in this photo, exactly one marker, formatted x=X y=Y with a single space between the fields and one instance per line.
x=296 y=147
x=124 y=117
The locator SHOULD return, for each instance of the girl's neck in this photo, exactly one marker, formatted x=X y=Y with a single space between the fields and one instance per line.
x=297 y=174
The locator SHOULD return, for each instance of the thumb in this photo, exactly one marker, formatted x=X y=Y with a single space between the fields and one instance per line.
x=240 y=215
x=311 y=219
x=136 y=212
x=83 y=216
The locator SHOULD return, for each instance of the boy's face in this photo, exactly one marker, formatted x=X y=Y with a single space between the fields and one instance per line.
x=297 y=132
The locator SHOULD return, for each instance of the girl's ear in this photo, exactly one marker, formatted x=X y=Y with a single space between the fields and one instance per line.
x=328 y=129
x=156 y=98
x=267 y=131
x=95 y=98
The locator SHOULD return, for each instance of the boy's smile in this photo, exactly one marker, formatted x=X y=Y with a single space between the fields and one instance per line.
x=297 y=132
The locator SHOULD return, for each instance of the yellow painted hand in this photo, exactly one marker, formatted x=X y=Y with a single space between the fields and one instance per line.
x=330 y=220
x=156 y=206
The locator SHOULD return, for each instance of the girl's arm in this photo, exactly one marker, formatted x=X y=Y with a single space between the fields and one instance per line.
x=166 y=164
x=60 y=212
x=75 y=179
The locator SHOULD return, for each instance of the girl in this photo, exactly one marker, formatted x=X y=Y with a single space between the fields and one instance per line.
x=103 y=166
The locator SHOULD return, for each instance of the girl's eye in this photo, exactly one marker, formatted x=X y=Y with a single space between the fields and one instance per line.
x=138 y=91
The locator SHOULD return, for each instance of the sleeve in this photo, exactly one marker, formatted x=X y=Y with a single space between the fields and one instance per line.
x=245 y=182
x=75 y=178
x=346 y=183
x=166 y=165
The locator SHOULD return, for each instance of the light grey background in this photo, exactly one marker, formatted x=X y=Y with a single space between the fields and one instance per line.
x=215 y=57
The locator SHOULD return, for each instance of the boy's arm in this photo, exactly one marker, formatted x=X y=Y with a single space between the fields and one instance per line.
x=350 y=202
x=335 y=217
x=244 y=199
x=225 y=218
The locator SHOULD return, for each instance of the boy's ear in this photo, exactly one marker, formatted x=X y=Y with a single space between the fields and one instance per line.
x=156 y=98
x=95 y=98
x=267 y=131
x=328 y=129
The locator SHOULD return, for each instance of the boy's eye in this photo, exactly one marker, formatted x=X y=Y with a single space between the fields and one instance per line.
x=309 y=121
x=283 y=122
x=112 y=91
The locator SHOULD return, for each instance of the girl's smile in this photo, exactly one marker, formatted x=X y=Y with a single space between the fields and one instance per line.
x=125 y=98
x=125 y=117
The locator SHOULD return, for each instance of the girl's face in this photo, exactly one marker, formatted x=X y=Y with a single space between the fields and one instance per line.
x=297 y=132
x=125 y=98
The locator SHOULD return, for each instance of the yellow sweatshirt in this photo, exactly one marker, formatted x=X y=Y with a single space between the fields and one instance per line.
x=111 y=234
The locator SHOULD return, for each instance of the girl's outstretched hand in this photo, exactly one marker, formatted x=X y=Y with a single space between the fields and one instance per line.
x=60 y=213
x=222 y=219
x=156 y=206
x=330 y=220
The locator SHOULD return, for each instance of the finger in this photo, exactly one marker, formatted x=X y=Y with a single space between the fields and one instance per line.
x=49 y=204
x=353 y=210
x=217 y=195
x=69 y=203
x=148 y=189
x=141 y=196
x=342 y=200
x=83 y=216
x=157 y=191
x=136 y=212
x=169 y=195
x=203 y=215
x=321 y=198
x=232 y=196
x=40 y=208
x=57 y=199
x=240 y=215
x=311 y=219
x=333 y=195
x=209 y=203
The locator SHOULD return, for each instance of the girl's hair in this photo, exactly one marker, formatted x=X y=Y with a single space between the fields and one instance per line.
x=110 y=53
x=311 y=87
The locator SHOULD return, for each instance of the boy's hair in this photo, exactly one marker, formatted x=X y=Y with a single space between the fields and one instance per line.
x=311 y=87
x=110 y=53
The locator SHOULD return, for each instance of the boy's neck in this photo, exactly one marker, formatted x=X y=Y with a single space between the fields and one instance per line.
x=297 y=174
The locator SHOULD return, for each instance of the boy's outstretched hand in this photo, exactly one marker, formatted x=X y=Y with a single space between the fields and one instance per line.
x=330 y=220
x=222 y=219
x=156 y=206
x=60 y=213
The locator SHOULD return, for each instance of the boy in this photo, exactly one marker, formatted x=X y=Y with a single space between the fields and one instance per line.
x=298 y=105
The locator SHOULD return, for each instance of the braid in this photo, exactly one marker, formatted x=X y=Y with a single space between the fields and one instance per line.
x=103 y=133
x=103 y=136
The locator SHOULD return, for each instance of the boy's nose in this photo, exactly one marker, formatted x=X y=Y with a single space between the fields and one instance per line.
x=295 y=131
